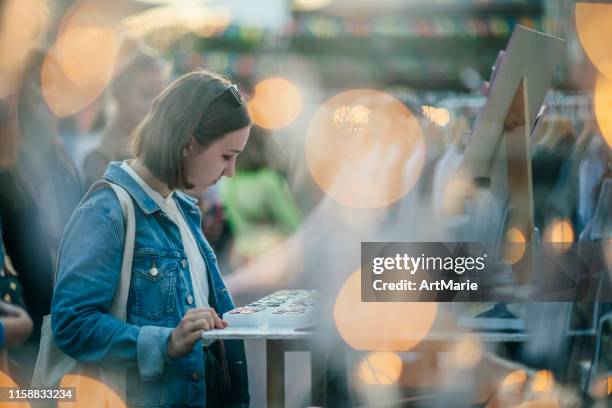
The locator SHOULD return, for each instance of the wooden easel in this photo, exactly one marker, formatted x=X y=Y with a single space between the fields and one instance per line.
x=499 y=148
x=520 y=191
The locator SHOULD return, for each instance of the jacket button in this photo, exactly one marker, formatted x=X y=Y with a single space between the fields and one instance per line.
x=189 y=299
x=184 y=263
x=195 y=375
x=154 y=271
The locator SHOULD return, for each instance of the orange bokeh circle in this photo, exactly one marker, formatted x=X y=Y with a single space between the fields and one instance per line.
x=560 y=234
x=380 y=326
x=82 y=60
x=602 y=105
x=380 y=368
x=365 y=148
x=595 y=34
x=276 y=103
x=22 y=25
x=89 y=392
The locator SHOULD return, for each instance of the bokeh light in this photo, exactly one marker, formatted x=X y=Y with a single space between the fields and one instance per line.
x=560 y=234
x=74 y=73
x=172 y=22
x=595 y=34
x=468 y=351
x=543 y=381
x=601 y=388
x=439 y=116
x=514 y=246
x=7 y=382
x=310 y=4
x=380 y=368
x=365 y=149
x=81 y=61
x=89 y=392
x=455 y=194
x=602 y=105
x=515 y=380
x=22 y=23
x=275 y=104
x=380 y=326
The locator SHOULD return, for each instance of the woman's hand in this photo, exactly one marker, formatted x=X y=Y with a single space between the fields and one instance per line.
x=190 y=329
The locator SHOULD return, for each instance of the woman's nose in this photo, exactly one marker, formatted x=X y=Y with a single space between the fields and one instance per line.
x=229 y=169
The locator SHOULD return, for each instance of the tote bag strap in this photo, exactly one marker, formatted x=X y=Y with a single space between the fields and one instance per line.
x=119 y=305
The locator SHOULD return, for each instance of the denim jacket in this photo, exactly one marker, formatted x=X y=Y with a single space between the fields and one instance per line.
x=89 y=267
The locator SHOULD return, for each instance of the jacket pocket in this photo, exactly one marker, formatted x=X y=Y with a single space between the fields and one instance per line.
x=153 y=286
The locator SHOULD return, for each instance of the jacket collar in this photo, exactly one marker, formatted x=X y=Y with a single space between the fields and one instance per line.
x=115 y=174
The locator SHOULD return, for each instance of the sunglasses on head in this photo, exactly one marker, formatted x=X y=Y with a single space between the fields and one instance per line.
x=231 y=94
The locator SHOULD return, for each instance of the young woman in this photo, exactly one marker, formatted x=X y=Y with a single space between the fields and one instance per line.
x=188 y=141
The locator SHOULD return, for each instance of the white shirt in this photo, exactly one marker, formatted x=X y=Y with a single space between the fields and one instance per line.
x=197 y=265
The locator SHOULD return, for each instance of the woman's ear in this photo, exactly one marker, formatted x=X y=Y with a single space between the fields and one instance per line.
x=190 y=148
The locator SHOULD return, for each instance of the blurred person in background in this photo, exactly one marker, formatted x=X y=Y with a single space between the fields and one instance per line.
x=128 y=99
x=214 y=222
x=553 y=144
x=564 y=200
x=39 y=188
x=15 y=323
x=590 y=172
x=450 y=159
x=260 y=208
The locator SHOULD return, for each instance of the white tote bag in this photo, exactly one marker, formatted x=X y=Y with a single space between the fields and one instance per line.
x=52 y=364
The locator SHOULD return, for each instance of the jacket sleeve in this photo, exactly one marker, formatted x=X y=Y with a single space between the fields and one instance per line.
x=89 y=269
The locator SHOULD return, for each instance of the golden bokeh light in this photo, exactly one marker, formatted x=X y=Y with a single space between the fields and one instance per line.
x=595 y=34
x=276 y=103
x=514 y=246
x=89 y=393
x=468 y=351
x=22 y=24
x=74 y=73
x=173 y=21
x=83 y=58
x=560 y=234
x=602 y=105
x=514 y=380
x=543 y=381
x=7 y=382
x=380 y=368
x=455 y=194
x=439 y=116
x=601 y=388
x=365 y=149
x=94 y=13
x=380 y=326
x=310 y=4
